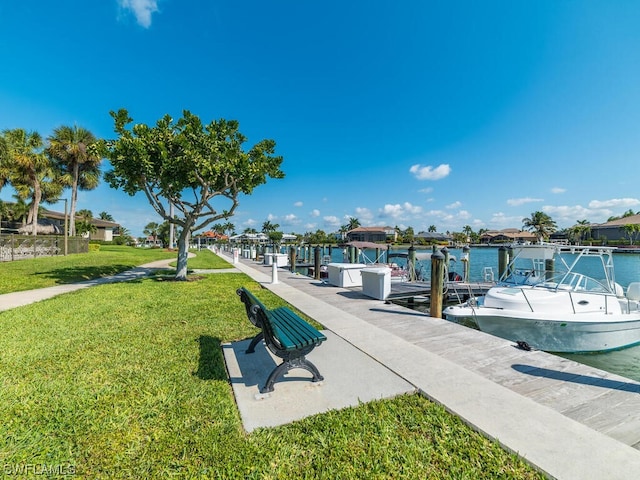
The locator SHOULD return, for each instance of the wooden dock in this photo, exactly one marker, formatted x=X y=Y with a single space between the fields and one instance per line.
x=455 y=292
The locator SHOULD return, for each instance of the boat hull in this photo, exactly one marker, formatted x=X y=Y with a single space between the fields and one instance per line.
x=588 y=333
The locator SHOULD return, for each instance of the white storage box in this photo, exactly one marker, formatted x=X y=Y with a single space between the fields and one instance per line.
x=268 y=259
x=281 y=259
x=345 y=274
x=376 y=282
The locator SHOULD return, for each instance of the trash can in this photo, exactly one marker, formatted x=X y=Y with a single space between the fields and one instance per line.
x=376 y=282
x=268 y=259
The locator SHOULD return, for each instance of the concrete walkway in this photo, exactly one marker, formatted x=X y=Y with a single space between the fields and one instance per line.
x=553 y=412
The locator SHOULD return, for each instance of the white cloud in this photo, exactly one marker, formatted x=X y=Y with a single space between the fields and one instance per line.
x=398 y=211
x=363 y=214
x=615 y=203
x=315 y=212
x=516 y=202
x=298 y=204
x=291 y=218
x=332 y=220
x=142 y=9
x=454 y=205
x=558 y=190
x=430 y=173
x=393 y=211
x=569 y=215
x=426 y=190
x=464 y=215
x=500 y=220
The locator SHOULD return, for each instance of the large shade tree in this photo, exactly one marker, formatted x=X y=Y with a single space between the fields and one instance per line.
x=201 y=169
x=79 y=165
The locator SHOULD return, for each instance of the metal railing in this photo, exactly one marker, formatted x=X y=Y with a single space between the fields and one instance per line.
x=20 y=247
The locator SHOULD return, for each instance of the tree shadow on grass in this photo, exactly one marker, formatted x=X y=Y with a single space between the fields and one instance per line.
x=81 y=274
x=211 y=364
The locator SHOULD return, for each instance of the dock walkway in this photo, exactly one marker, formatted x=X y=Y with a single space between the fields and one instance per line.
x=569 y=420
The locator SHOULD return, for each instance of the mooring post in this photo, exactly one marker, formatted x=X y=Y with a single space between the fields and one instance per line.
x=316 y=263
x=445 y=252
x=292 y=259
x=437 y=284
x=411 y=261
x=549 y=268
x=466 y=263
x=503 y=261
x=274 y=271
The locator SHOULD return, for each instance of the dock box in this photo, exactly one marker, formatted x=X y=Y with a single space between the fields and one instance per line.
x=376 y=282
x=345 y=274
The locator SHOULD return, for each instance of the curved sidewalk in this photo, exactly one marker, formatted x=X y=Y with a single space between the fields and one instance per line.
x=568 y=420
x=18 y=299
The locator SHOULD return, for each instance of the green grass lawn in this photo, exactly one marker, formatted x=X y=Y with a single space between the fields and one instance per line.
x=128 y=381
x=49 y=271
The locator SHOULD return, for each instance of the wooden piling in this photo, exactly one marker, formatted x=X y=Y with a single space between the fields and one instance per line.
x=503 y=261
x=316 y=262
x=437 y=284
x=292 y=259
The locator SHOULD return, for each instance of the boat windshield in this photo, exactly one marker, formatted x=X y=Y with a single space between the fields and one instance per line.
x=575 y=282
x=569 y=268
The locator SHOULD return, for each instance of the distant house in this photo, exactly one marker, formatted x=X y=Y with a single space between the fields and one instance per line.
x=613 y=230
x=259 y=238
x=432 y=237
x=104 y=229
x=372 y=234
x=507 y=235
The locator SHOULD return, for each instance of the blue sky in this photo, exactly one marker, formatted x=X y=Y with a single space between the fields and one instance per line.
x=412 y=113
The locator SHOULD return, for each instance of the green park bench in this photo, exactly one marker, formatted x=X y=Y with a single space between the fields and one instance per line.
x=285 y=334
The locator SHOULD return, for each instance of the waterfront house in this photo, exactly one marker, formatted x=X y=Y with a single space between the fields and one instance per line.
x=372 y=234
x=507 y=235
x=614 y=230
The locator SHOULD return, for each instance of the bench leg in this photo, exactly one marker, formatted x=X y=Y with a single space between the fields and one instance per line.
x=284 y=367
x=257 y=339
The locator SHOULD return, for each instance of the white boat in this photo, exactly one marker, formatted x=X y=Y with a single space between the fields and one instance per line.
x=557 y=298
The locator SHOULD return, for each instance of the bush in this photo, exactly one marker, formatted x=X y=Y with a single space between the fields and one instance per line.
x=94 y=247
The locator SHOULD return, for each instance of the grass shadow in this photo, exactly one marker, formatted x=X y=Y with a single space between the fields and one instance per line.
x=211 y=364
x=80 y=274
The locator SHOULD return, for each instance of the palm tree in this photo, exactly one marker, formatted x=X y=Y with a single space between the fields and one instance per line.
x=432 y=229
x=105 y=216
x=151 y=230
x=228 y=227
x=30 y=171
x=541 y=224
x=85 y=225
x=4 y=162
x=267 y=227
x=79 y=167
x=353 y=223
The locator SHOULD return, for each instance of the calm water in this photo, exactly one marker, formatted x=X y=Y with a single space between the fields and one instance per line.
x=624 y=362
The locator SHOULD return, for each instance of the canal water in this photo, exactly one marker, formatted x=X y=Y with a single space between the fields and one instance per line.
x=625 y=362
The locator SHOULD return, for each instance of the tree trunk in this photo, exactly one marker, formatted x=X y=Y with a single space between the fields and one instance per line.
x=37 y=196
x=183 y=254
x=74 y=200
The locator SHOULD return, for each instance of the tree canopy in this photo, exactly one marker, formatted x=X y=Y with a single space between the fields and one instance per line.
x=193 y=166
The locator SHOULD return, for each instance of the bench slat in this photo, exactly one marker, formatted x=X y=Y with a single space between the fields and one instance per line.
x=293 y=330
